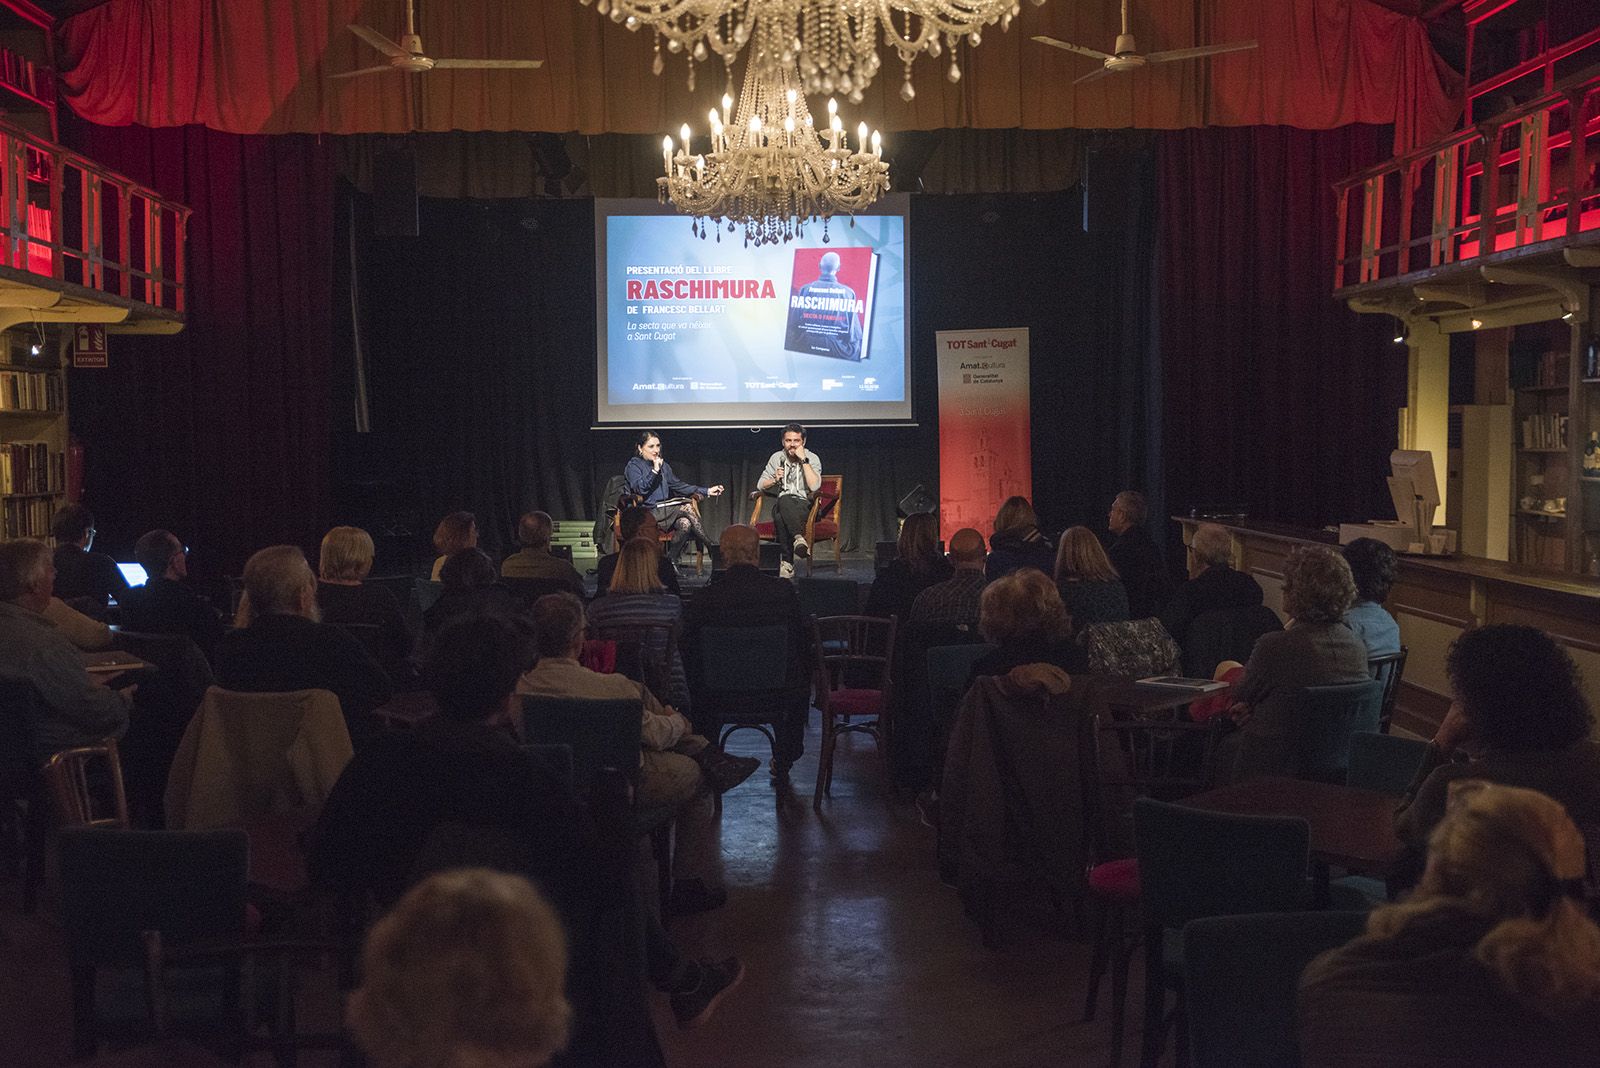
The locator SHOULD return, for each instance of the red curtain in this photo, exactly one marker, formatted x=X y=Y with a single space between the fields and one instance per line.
x=220 y=433
x=1275 y=395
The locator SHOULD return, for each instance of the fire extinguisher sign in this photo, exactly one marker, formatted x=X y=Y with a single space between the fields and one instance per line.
x=89 y=346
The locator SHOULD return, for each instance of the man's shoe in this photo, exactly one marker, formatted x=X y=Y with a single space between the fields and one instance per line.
x=778 y=770
x=690 y=896
x=723 y=772
x=694 y=1007
x=785 y=569
x=801 y=549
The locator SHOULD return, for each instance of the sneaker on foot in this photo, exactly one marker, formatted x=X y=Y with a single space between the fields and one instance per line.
x=723 y=771
x=690 y=896
x=694 y=1007
x=785 y=569
x=801 y=549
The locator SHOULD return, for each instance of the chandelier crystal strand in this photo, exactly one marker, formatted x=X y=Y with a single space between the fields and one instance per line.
x=768 y=167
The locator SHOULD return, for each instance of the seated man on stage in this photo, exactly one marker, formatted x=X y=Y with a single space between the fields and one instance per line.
x=794 y=474
x=650 y=479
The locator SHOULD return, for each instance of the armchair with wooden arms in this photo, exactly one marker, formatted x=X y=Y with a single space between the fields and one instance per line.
x=824 y=522
x=631 y=500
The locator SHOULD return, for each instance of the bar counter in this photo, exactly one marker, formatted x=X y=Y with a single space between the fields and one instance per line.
x=1434 y=599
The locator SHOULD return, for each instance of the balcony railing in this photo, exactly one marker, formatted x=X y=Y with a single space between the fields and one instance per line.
x=65 y=217
x=1522 y=178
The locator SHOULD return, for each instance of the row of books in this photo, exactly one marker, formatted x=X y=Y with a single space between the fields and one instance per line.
x=30 y=391
x=1552 y=369
x=27 y=518
x=1544 y=432
x=30 y=467
x=22 y=73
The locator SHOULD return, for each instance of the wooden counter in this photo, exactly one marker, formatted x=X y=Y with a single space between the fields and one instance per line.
x=1434 y=599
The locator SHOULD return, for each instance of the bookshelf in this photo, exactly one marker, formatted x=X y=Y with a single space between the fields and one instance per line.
x=33 y=430
x=1540 y=366
x=27 y=67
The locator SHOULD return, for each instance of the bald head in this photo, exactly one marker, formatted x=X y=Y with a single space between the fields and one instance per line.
x=828 y=266
x=740 y=545
x=966 y=549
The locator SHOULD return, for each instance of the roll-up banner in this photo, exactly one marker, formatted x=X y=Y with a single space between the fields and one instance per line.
x=985 y=449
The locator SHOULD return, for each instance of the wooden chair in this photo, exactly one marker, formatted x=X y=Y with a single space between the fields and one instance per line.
x=852 y=656
x=68 y=776
x=1388 y=669
x=630 y=500
x=824 y=522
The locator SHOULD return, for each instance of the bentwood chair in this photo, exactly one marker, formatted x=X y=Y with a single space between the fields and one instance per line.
x=853 y=688
x=1388 y=669
x=73 y=786
x=824 y=521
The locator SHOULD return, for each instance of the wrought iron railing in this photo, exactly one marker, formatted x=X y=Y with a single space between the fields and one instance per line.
x=1524 y=177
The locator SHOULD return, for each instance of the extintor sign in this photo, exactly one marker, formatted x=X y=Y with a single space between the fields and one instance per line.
x=89 y=346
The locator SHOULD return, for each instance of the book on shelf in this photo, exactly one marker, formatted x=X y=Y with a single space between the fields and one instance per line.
x=27 y=517
x=37 y=391
x=31 y=467
x=1544 y=431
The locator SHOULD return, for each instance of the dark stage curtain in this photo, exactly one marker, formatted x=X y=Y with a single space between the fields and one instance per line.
x=1276 y=396
x=479 y=343
x=220 y=433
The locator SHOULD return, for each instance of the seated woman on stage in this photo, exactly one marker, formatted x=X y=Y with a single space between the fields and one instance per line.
x=651 y=481
x=1089 y=586
x=637 y=595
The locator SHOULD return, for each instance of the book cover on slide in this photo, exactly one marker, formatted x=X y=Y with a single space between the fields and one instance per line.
x=830 y=302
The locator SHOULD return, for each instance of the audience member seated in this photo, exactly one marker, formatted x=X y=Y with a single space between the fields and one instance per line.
x=1213 y=583
x=955 y=600
x=741 y=596
x=1519 y=717
x=82 y=631
x=165 y=604
x=456 y=531
x=1373 y=565
x=1140 y=564
x=672 y=784
x=1492 y=961
x=636 y=521
x=280 y=644
x=1089 y=586
x=1021 y=614
x=471 y=587
x=75 y=708
x=1316 y=649
x=637 y=596
x=917 y=564
x=346 y=599
x=534 y=560
x=1017 y=541
x=469 y=969
x=84 y=579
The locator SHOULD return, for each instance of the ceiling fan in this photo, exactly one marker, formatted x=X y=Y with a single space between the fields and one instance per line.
x=1126 y=54
x=408 y=55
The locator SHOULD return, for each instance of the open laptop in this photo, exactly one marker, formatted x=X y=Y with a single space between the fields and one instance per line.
x=133 y=574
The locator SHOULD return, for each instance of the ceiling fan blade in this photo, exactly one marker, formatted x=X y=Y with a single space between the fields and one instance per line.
x=1195 y=53
x=488 y=64
x=1082 y=51
x=359 y=73
x=378 y=41
x=1094 y=75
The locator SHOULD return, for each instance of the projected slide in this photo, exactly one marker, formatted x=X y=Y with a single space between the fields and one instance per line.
x=697 y=331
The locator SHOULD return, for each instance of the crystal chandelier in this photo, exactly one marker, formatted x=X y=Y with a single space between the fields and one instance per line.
x=834 y=42
x=769 y=167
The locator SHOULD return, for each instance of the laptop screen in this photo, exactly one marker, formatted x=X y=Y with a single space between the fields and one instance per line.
x=133 y=574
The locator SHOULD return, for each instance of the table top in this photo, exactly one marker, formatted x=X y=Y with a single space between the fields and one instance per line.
x=1350 y=828
x=1127 y=694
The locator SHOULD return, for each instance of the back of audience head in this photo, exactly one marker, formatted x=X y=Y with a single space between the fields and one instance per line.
x=468 y=569
x=1372 y=565
x=638 y=567
x=558 y=624
x=637 y=519
x=1081 y=556
x=456 y=531
x=967 y=549
x=534 y=530
x=1211 y=546
x=740 y=545
x=1513 y=856
x=277 y=581
x=1132 y=507
x=157 y=551
x=918 y=543
x=1022 y=606
x=473 y=666
x=467 y=971
x=1317 y=587
x=1518 y=689
x=71 y=524
x=346 y=555
x=25 y=567
x=1015 y=514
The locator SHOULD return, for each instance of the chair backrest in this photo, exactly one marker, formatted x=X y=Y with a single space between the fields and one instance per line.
x=1138 y=648
x=601 y=734
x=853 y=652
x=116 y=884
x=1225 y=634
x=742 y=659
x=73 y=786
x=828 y=597
x=175 y=655
x=371 y=637
x=428 y=593
x=949 y=667
x=1241 y=975
x=1388 y=669
x=1194 y=863
x=830 y=500
x=558 y=755
x=1386 y=763
x=647 y=649
x=1324 y=719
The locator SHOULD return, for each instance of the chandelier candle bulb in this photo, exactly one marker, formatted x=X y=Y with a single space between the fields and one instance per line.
x=666 y=153
x=861 y=138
